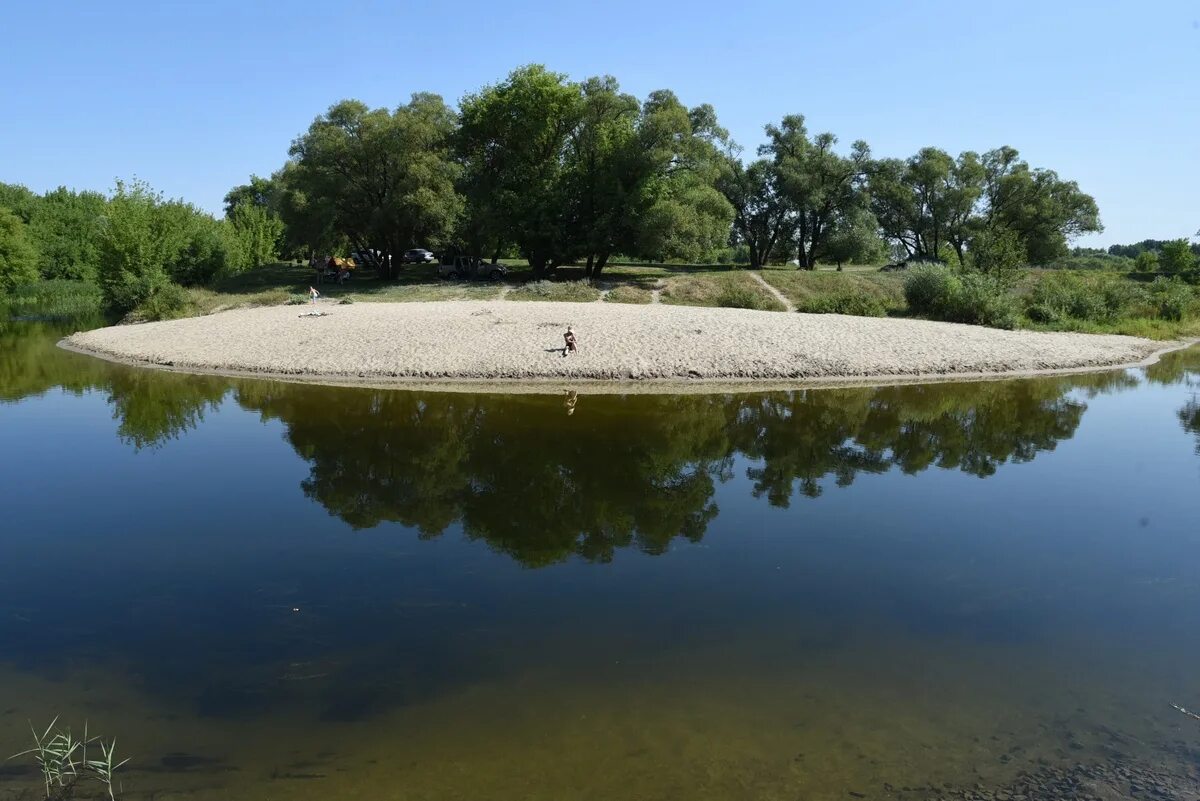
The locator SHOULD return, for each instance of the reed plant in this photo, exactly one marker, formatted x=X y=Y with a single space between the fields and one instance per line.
x=63 y=761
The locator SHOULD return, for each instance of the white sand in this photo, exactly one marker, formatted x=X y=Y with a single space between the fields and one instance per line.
x=472 y=341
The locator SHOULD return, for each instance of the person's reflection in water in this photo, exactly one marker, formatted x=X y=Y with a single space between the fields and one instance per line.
x=570 y=400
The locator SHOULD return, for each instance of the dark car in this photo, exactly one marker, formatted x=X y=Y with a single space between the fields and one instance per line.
x=418 y=256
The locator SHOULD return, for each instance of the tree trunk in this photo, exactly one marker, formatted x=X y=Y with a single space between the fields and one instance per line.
x=587 y=270
x=600 y=262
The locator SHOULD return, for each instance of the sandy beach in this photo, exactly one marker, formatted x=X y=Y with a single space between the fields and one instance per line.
x=488 y=341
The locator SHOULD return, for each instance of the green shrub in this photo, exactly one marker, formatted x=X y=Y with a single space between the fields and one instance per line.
x=1066 y=296
x=936 y=291
x=165 y=303
x=981 y=300
x=1172 y=299
x=852 y=303
x=927 y=286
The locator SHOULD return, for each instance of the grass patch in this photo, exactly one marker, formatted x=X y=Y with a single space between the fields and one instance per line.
x=867 y=293
x=626 y=293
x=733 y=290
x=566 y=291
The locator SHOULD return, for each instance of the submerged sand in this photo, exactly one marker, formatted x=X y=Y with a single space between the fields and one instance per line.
x=476 y=341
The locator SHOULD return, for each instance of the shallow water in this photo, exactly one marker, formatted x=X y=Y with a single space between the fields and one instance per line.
x=269 y=590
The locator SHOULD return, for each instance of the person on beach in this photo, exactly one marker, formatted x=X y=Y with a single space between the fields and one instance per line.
x=314 y=294
x=569 y=339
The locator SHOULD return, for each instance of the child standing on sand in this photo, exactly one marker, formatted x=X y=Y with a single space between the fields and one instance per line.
x=314 y=294
x=569 y=338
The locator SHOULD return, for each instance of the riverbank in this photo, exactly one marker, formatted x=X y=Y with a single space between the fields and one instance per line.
x=473 y=341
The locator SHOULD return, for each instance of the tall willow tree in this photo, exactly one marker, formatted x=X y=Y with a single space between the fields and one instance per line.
x=386 y=177
x=822 y=187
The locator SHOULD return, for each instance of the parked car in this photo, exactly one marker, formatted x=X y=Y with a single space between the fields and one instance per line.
x=419 y=256
x=464 y=267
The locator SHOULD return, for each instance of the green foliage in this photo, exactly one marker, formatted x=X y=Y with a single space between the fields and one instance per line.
x=1061 y=296
x=257 y=232
x=385 y=178
x=855 y=238
x=762 y=217
x=167 y=303
x=997 y=252
x=936 y=291
x=819 y=186
x=66 y=225
x=1146 y=261
x=18 y=257
x=139 y=240
x=1173 y=299
x=1176 y=257
x=926 y=286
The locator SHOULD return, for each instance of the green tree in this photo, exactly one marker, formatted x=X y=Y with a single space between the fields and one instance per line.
x=855 y=238
x=1045 y=211
x=19 y=200
x=762 y=218
x=819 y=185
x=258 y=192
x=388 y=176
x=1146 y=261
x=66 y=227
x=512 y=140
x=1176 y=257
x=138 y=242
x=258 y=231
x=18 y=257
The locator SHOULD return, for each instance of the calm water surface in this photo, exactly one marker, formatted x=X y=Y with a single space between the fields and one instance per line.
x=268 y=590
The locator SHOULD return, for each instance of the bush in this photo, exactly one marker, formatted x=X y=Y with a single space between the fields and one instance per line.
x=927 y=285
x=1146 y=261
x=164 y=303
x=937 y=292
x=1065 y=296
x=1172 y=299
x=852 y=303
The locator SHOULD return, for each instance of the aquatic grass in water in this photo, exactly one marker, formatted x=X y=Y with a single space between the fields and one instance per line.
x=59 y=299
x=54 y=751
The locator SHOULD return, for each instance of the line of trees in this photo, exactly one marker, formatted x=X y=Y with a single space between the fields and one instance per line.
x=579 y=172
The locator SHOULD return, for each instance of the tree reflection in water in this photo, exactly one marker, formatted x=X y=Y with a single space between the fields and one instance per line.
x=541 y=482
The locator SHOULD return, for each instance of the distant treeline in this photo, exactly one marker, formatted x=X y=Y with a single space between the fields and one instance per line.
x=556 y=172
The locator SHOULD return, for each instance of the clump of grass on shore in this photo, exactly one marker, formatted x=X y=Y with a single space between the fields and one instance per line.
x=732 y=290
x=625 y=293
x=569 y=291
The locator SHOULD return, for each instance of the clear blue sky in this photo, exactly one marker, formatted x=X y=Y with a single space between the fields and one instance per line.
x=195 y=96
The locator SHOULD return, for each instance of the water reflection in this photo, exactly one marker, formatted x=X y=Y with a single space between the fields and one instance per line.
x=614 y=472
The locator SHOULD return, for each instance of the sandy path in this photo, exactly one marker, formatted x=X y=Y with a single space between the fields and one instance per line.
x=779 y=296
x=471 y=340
